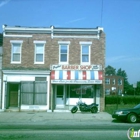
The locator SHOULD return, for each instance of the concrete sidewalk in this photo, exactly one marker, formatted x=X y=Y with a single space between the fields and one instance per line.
x=45 y=117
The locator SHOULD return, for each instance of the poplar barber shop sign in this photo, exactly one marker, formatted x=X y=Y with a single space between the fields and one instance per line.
x=76 y=67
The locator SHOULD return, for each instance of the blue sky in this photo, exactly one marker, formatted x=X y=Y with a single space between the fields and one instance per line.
x=120 y=20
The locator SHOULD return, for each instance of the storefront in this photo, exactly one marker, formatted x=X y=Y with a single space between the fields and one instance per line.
x=25 y=90
x=69 y=83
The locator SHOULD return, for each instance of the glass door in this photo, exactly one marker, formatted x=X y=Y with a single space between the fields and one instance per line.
x=60 y=98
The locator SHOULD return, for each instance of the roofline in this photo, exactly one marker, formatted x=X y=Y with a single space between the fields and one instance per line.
x=54 y=32
x=20 y=29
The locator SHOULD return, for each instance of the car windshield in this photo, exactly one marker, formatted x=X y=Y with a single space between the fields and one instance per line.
x=137 y=106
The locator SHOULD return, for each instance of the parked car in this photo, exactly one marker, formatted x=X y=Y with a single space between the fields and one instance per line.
x=131 y=115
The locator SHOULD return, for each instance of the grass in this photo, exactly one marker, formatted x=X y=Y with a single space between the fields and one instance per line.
x=112 y=107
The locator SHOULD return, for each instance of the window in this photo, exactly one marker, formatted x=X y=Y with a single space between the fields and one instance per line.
x=107 y=81
x=107 y=91
x=39 y=52
x=16 y=51
x=34 y=93
x=64 y=52
x=119 y=82
x=85 y=52
x=81 y=91
x=113 y=81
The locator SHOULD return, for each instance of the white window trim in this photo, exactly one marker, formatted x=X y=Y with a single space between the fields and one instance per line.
x=16 y=41
x=39 y=42
x=85 y=43
x=89 y=44
x=67 y=44
x=64 y=42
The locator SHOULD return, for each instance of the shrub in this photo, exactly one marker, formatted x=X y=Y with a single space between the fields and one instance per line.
x=119 y=99
x=112 y=99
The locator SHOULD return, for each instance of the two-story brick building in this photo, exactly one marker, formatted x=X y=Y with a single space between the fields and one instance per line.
x=51 y=68
x=114 y=85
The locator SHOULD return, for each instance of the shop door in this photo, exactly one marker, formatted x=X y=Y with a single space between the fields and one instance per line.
x=60 y=96
x=13 y=94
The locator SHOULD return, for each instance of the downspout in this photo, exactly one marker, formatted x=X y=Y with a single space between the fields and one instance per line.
x=52 y=27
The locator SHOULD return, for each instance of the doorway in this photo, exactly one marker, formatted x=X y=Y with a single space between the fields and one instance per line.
x=60 y=96
x=13 y=92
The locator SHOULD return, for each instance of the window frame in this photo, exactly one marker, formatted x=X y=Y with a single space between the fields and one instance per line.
x=12 y=54
x=89 y=53
x=43 y=53
x=113 y=81
x=61 y=43
x=119 y=81
x=107 y=81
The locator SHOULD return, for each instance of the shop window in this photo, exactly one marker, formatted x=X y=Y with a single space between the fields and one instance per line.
x=34 y=93
x=81 y=91
x=16 y=51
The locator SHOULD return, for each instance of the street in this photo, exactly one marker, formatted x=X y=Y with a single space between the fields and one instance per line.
x=63 y=135
x=95 y=131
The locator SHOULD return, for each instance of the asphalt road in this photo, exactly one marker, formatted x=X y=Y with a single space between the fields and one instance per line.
x=67 y=131
x=63 y=135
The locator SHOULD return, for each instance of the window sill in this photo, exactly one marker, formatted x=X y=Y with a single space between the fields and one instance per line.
x=15 y=62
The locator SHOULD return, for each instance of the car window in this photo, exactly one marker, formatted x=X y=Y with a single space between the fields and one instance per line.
x=137 y=106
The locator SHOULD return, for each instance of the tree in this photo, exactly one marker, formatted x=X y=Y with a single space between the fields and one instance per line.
x=109 y=70
x=138 y=88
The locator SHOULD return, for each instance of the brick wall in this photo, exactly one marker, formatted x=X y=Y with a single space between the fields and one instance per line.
x=52 y=51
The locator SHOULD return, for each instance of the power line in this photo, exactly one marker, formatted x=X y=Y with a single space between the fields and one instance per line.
x=102 y=12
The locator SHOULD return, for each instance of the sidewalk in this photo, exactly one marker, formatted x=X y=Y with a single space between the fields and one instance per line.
x=51 y=117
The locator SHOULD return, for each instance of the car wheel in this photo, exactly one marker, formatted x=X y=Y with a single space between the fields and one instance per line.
x=132 y=118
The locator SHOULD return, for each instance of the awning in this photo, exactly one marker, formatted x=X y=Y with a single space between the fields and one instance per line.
x=77 y=76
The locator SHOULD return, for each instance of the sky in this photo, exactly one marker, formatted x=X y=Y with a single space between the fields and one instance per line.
x=120 y=20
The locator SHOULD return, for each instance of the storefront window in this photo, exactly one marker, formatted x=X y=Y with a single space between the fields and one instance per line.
x=81 y=91
x=34 y=93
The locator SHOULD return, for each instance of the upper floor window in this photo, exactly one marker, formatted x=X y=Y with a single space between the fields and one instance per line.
x=107 y=81
x=39 y=52
x=64 y=52
x=113 y=81
x=85 y=52
x=16 y=51
x=119 y=82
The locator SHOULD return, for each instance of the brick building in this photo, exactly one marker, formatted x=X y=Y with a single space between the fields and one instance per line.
x=114 y=85
x=51 y=68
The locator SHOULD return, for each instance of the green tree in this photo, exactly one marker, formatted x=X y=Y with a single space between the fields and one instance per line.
x=109 y=70
x=138 y=88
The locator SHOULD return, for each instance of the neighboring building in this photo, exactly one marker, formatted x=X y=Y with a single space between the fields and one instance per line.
x=51 y=68
x=114 y=85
